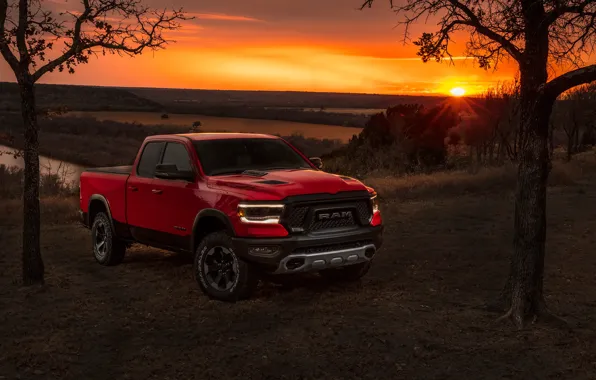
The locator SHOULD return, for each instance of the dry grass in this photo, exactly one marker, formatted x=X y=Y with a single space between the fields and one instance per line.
x=54 y=210
x=51 y=185
x=489 y=179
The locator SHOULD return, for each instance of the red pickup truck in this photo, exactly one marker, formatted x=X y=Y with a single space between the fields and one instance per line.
x=243 y=204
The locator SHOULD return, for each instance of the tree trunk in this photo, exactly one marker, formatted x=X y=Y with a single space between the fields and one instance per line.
x=569 y=146
x=33 y=268
x=551 y=140
x=524 y=289
x=576 y=144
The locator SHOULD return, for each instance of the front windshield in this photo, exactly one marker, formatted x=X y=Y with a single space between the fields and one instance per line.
x=232 y=156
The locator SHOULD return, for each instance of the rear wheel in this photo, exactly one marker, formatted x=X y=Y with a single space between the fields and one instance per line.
x=221 y=274
x=347 y=273
x=107 y=249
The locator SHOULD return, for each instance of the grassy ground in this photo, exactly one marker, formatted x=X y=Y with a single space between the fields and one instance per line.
x=417 y=315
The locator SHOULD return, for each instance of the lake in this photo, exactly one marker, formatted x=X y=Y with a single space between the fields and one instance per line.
x=214 y=124
x=70 y=173
x=353 y=111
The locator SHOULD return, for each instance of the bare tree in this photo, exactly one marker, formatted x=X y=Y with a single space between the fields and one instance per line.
x=534 y=34
x=36 y=40
x=574 y=115
x=489 y=132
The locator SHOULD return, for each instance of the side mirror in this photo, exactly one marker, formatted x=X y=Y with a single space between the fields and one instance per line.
x=170 y=171
x=317 y=162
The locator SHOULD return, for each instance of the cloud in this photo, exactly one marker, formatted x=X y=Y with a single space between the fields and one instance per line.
x=223 y=17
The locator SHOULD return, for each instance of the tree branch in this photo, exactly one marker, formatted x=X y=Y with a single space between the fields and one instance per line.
x=574 y=78
x=475 y=22
x=22 y=32
x=74 y=47
x=561 y=10
x=4 y=49
x=457 y=13
x=143 y=31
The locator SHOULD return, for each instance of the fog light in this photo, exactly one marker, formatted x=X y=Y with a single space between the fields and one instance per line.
x=294 y=263
x=263 y=251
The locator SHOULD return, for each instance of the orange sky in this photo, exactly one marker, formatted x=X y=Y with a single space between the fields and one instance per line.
x=307 y=45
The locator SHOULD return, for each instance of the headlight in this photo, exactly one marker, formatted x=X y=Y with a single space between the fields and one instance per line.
x=374 y=201
x=260 y=213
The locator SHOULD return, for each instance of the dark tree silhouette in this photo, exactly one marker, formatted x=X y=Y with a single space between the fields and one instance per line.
x=533 y=33
x=36 y=40
x=575 y=116
x=420 y=134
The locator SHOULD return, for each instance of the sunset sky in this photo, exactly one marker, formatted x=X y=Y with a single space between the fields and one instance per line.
x=307 y=45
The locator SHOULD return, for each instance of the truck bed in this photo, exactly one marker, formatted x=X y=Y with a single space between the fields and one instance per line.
x=125 y=170
x=110 y=183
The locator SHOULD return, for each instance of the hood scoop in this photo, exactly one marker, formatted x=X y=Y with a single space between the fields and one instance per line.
x=272 y=182
x=255 y=173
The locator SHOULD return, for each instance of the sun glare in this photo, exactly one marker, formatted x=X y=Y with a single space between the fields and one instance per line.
x=457 y=91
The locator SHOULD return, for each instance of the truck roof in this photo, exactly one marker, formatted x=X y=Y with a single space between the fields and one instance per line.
x=226 y=135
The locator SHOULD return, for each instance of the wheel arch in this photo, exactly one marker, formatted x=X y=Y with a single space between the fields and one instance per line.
x=97 y=204
x=208 y=221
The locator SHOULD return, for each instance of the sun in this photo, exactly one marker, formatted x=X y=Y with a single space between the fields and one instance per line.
x=457 y=91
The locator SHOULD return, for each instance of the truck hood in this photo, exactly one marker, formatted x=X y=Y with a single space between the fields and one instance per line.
x=280 y=184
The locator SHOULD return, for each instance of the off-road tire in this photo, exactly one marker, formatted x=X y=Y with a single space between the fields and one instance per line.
x=112 y=251
x=348 y=273
x=246 y=277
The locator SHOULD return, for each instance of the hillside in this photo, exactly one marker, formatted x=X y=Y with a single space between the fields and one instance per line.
x=81 y=98
x=304 y=107
x=169 y=97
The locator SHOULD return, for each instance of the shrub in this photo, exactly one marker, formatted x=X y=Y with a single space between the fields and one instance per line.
x=406 y=138
x=312 y=147
x=51 y=185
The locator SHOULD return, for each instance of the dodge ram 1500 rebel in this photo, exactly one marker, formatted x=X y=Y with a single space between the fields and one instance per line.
x=243 y=204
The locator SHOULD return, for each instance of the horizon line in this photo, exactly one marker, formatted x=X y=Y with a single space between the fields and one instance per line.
x=437 y=94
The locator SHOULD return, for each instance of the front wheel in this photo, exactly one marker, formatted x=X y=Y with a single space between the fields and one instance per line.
x=107 y=249
x=221 y=274
x=346 y=273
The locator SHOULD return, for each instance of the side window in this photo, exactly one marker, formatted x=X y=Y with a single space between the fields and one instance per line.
x=149 y=159
x=176 y=154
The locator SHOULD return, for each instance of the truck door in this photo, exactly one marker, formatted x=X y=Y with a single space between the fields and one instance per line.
x=141 y=209
x=175 y=200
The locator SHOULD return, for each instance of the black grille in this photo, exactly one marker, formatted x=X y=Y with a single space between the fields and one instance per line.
x=317 y=225
x=296 y=217
x=304 y=217
x=364 y=211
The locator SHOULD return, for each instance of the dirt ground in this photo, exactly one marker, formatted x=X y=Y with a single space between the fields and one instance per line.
x=418 y=314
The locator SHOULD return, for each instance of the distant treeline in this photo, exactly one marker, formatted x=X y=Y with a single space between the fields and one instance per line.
x=297 y=99
x=286 y=114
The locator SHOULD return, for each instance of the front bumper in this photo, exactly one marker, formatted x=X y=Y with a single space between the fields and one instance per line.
x=313 y=252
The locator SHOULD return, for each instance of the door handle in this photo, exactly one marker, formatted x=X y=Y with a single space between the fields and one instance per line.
x=156 y=191
x=132 y=188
